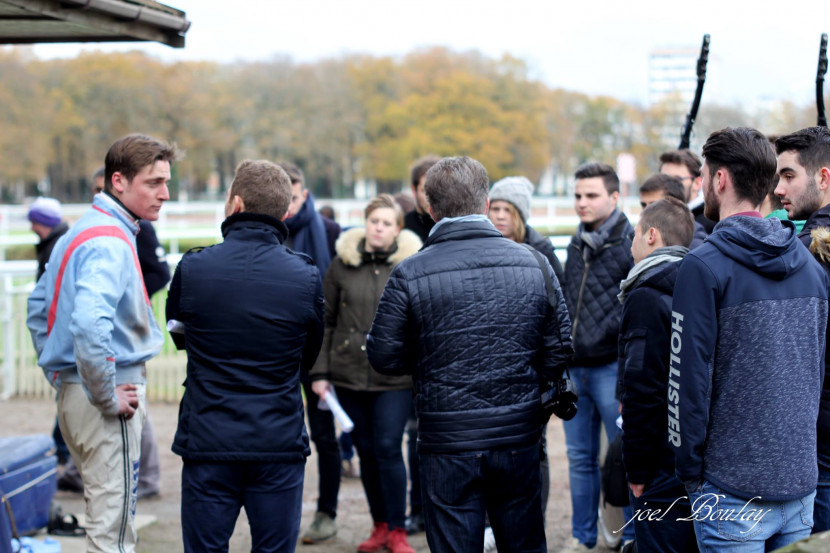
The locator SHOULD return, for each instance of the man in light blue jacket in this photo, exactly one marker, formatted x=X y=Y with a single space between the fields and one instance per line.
x=93 y=330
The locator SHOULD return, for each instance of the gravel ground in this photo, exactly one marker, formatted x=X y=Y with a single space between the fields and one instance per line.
x=30 y=416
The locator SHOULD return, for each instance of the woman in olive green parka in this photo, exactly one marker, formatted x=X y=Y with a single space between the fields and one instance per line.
x=379 y=405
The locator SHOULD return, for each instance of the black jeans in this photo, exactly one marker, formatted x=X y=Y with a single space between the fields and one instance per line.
x=459 y=488
x=321 y=427
x=379 y=419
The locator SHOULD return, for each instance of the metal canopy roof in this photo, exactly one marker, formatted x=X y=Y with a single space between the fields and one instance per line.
x=38 y=21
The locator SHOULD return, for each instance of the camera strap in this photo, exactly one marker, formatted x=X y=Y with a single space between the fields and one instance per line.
x=548 y=284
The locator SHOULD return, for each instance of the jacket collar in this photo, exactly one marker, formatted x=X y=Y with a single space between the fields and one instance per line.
x=244 y=220
x=819 y=218
x=109 y=205
x=462 y=230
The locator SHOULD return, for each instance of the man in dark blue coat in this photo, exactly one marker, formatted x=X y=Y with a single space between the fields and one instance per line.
x=661 y=240
x=469 y=317
x=747 y=360
x=250 y=314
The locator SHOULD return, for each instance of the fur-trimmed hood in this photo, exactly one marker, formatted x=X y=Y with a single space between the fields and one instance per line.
x=349 y=252
x=820 y=244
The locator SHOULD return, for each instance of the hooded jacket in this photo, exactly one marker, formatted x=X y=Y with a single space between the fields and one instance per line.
x=252 y=312
x=352 y=288
x=747 y=361
x=469 y=317
x=644 y=374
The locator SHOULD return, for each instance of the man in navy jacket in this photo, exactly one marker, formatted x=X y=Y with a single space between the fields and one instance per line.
x=661 y=240
x=747 y=360
x=250 y=313
x=469 y=317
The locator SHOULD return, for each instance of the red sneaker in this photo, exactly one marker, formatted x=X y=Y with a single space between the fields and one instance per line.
x=377 y=541
x=397 y=542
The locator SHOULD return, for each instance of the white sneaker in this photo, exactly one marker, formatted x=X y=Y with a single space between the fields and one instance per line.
x=575 y=546
x=489 y=540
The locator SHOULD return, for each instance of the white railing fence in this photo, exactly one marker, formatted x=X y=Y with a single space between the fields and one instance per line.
x=19 y=373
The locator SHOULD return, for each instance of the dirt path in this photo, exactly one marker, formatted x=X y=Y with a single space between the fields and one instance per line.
x=20 y=416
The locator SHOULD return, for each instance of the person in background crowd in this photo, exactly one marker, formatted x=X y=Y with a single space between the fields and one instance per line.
x=804 y=189
x=332 y=230
x=419 y=221
x=599 y=257
x=660 y=186
x=685 y=165
x=94 y=329
x=661 y=240
x=45 y=216
x=406 y=201
x=314 y=235
x=328 y=212
x=249 y=312
x=509 y=212
x=747 y=358
x=481 y=347
x=379 y=405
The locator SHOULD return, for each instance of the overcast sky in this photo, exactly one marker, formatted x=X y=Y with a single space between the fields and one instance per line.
x=760 y=50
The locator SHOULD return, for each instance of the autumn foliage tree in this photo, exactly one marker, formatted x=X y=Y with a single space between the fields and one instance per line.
x=343 y=120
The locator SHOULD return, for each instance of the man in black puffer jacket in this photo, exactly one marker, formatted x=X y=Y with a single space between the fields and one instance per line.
x=599 y=257
x=469 y=317
x=251 y=313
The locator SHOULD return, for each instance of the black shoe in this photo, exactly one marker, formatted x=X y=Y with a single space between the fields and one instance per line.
x=414 y=524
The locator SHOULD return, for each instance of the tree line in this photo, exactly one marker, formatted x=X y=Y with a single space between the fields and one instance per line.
x=344 y=120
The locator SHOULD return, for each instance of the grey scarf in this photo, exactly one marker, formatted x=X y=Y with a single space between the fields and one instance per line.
x=660 y=256
x=596 y=238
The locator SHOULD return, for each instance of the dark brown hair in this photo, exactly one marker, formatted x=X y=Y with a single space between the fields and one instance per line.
x=420 y=168
x=132 y=153
x=672 y=218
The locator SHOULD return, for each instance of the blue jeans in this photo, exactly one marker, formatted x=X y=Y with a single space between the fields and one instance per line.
x=212 y=494
x=821 y=513
x=772 y=524
x=657 y=514
x=459 y=488
x=379 y=419
x=597 y=406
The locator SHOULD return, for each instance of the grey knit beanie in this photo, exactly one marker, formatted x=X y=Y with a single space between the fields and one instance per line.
x=517 y=191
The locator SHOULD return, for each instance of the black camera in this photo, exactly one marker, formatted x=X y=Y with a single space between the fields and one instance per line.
x=560 y=399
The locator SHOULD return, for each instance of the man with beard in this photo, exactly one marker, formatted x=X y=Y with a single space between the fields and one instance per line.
x=309 y=234
x=746 y=359
x=804 y=189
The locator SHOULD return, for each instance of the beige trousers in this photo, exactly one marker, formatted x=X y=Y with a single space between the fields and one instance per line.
x=106 y=450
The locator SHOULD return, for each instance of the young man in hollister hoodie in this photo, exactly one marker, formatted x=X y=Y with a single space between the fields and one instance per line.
x=746 y=360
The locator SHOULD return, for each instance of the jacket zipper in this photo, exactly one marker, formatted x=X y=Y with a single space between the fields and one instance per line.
x=582 y=286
